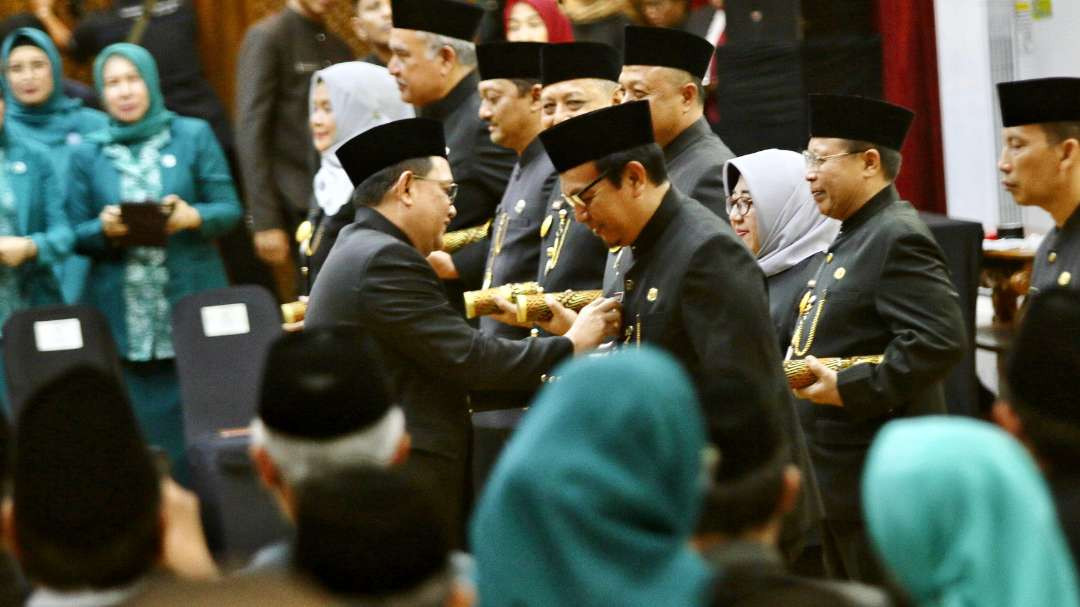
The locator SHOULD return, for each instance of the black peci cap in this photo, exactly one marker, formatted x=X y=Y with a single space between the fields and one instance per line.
x=859 y=119
x=598 y=134
x=83 y=474
x=667 y=47
x=509 y=60
x=388 y=144
x=575 y=60
x=1039 y=100
x=323 y=384
x=444 y=17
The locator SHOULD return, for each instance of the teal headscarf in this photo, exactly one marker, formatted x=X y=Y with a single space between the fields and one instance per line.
x=52 y=121
x=596 y=496
x=960 y=514
x=156 y=118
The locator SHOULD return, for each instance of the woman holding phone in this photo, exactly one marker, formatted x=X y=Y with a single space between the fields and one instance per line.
x=148 y=155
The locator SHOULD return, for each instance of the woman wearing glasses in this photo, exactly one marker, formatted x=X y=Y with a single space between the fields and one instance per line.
x=772 y=211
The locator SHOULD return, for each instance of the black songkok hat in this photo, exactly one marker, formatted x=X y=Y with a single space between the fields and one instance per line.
x=667 y=47
x=574 y=60
x=83 y=475
x=444 y=17
x=1039 y=100
x=323 y=384
x=859 y=119
x=597 y=134
x=388 y=144
x=1045 y=361
x=509 y=60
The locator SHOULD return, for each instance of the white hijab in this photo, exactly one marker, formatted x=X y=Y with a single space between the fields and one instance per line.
x=790 y=228
x=362 y=95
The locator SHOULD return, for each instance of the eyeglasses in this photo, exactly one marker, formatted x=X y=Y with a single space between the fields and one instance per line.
x=813 y=161
x=575 y=199
x=448 y=187
x=740 y=205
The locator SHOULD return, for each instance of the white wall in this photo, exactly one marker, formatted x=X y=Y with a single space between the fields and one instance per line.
x=967 y=113
x=968 y=97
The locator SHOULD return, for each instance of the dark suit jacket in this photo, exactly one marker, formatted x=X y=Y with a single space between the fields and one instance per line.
x=375 y=279
x=273 y=140
x=481 y=168
x=695 y=162
x=1065 y=487
x=514 y=245
x=886 y=290
x=1058 y=254
x=695 y=290
x=751 y=574
x=785 y=289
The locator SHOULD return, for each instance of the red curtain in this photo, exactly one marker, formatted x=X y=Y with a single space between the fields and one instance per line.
x=910 y=79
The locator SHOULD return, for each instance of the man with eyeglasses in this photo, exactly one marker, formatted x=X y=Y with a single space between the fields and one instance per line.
x=377 y=277
x=694 y=289
x=1040 y=166
x=883 y=289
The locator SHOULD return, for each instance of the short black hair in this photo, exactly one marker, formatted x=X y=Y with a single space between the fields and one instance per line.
x=1056 y=132
x=369 y=532
x=524 y=85
x=752 y=456
x=371 y=191
x=649 y=155
x=890 y=158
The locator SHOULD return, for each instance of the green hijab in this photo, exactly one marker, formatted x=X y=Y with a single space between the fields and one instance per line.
x=53 y=120
x=156 y=118
x=960 y=514
x=596 y=496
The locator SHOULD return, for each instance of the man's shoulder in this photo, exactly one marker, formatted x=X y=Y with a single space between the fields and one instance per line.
x=271 y=27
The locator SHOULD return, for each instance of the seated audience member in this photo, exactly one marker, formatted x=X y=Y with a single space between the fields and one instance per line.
x=536 y=21
x=374 y=537
x=596 y=495
x=1039 y=404
x=959 y=514
x=339 y=111
x=752 y=486
x=92 y=518
x=323 y=409
x=771 y=209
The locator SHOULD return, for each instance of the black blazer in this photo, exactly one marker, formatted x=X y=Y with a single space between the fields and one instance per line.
x=884 y=288
x=375 y=279
x=1057 y=262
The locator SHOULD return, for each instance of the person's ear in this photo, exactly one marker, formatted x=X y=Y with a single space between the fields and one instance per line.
x=617 y=95
x=535 y=105
x=634 y=173
x=1070 y=153
x=402 y=188
x=789 y=495
x=448 y=59
x=871 y=162
x=689 y=94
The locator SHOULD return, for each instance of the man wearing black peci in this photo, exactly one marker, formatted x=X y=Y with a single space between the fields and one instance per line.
x=377 y=278
x=883 y=289
x=691 y=289
x=433 y=60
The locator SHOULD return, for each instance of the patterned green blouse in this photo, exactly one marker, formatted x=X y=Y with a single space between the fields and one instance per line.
x=147 y=313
